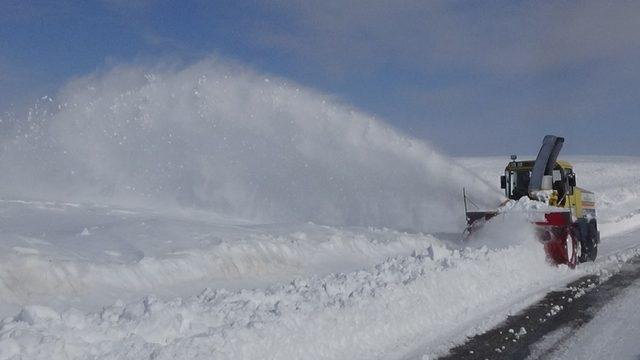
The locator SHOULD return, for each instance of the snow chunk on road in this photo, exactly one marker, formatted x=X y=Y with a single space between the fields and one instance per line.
x=34 y=313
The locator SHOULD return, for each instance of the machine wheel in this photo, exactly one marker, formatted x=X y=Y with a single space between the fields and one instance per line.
x=589 y=237
x=572 y=250
x=593 y=240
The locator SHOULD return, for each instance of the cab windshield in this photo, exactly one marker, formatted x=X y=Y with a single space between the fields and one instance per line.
x=518 y=183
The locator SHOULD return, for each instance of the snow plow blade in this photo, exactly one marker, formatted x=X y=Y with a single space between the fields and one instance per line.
x=473 y=216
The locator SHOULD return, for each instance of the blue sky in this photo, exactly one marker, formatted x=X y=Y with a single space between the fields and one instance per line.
x=472 y=77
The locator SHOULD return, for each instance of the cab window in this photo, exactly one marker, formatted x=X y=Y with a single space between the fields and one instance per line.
x=518 y=183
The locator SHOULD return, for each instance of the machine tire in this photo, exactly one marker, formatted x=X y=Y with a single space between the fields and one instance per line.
x=581 y=229
x=572 y=251
x=588 y=235
x=593 y=239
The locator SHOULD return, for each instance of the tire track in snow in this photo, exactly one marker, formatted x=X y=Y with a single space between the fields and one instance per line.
x=523 y=335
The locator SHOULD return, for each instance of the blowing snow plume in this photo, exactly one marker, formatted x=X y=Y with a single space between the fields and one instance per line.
x=220 y=137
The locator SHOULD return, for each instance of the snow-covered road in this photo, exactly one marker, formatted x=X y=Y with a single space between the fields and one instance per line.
x=538 y=331
x=613 y=333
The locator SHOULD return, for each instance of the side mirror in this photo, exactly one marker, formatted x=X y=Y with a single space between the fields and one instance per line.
x=503 y=182
x=572 y=179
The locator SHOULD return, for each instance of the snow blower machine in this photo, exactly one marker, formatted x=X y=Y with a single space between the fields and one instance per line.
x=566 y=222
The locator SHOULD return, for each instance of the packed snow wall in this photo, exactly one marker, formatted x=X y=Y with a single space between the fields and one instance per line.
x=220 y=137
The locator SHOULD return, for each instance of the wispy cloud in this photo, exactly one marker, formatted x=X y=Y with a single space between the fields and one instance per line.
x=497 y=37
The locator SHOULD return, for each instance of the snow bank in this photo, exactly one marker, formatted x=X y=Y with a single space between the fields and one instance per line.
x=27 y=276
x=220 y=137
x=54 y=253
x=365 y=314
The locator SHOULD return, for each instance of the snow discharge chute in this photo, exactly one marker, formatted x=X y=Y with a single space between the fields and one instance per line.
x=222 y=138
x=545 y=162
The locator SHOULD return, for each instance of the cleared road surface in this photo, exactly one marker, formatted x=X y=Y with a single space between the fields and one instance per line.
x=596 y=317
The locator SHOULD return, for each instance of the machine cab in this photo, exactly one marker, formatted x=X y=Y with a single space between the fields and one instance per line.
x=515 y=181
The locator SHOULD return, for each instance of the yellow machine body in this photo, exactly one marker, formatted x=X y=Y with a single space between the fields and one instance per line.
x=565 y=194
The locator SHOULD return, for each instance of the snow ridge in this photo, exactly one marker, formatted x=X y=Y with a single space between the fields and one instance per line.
x=360 y=314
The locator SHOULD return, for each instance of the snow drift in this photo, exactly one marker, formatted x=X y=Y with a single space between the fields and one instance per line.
x=379 y=312
x=220 y=137
x=59 y=253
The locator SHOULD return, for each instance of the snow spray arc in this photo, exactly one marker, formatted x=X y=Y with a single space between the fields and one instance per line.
x=220 y=137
